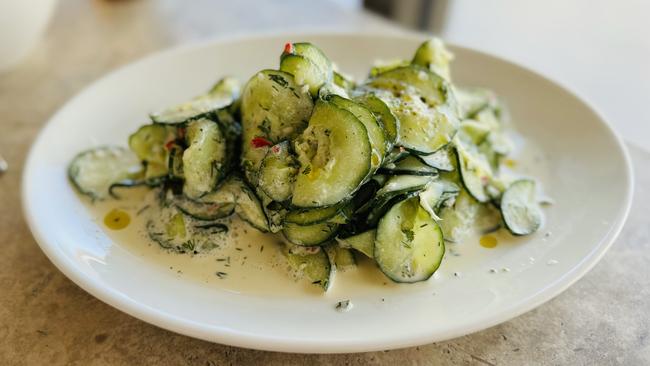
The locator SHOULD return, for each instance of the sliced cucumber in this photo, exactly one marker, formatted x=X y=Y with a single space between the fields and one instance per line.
x=304 y=71
x=312 y=264
x=364 y=242
x=313 y=54
x=206 y=211
x=433 y=55
x=436 y=195
x=471 y=101
x=278 y=172
x=138 y=182
x=343 y=81
x=396 y=188
x=375 y=131
x=395 y=155
x=341 y=258
x=274 y=211
x=409 y=245
x=309 y=235
x=457 y=220
x=312 y=216
x=475 y=172
x=383 y=66
x=404 y=183
x=175 y=162
x=334 y=154
x=423 y=103
x=429 y=86
x=520 y=209
x=173 y=230
x=273 y=107
x=408 y=166
x=222 y=95
x=249 y=208
x=148 y=143
x=386 y=118
x=205 y=160
x=443 y=159
x=94 y=171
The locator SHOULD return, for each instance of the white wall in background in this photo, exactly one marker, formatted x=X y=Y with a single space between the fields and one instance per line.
x=599 y=48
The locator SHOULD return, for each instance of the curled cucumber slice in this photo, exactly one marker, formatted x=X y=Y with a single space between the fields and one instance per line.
x=519 y=207
x=409 y=245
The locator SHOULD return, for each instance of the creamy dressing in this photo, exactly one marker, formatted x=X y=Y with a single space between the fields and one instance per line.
x=250 y=262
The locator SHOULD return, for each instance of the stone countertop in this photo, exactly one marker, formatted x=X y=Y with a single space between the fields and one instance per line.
x=45 y=318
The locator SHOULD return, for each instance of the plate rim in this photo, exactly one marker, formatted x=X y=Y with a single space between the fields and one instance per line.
x=233 y=337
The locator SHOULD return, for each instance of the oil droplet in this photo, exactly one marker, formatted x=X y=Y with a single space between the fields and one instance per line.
x=117 y=219
x=510 y=163
x=488 y=241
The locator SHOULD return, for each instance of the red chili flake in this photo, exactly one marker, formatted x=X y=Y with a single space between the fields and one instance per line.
x=275 y=149
x=258 y=142
x=288 y=47
x=169 y=144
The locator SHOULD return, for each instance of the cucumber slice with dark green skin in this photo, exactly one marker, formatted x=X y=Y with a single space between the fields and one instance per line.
x=93 y=172
x=206 y=211
x=172 y=230
x=431 y=87
x=278 y=172
x=403 y=184
x=205 y=159
x=132 y=183
x=309 y=235
x=313 y=264
x=423 y=103
x=443 y=159
x=375 y=130
x=474 y=174
x=396 y=155
x=396 y=189
x=274 y=211
x=364 y=242
x=249 y=208
x=222 y=95
x=409 y=245
x=275 y=108
x=175 y=162
x=148 y=143
x=520 y=209
x=304 y=71
x=334 y=154
x=386 y=118
x=312 y=216
x=382 y=204
x=433 y=55
x=313 y=54
x=408 y=166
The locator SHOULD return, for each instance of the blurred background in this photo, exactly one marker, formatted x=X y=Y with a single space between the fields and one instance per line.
x=599 y=48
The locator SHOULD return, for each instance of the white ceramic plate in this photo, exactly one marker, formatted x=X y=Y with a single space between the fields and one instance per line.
x=581 y=162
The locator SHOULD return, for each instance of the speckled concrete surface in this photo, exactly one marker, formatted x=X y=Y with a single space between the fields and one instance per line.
x=46 y=319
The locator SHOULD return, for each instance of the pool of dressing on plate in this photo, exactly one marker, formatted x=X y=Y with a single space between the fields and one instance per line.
x=251 y=262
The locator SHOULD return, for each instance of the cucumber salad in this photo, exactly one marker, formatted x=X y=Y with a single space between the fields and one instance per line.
x=392 y=167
